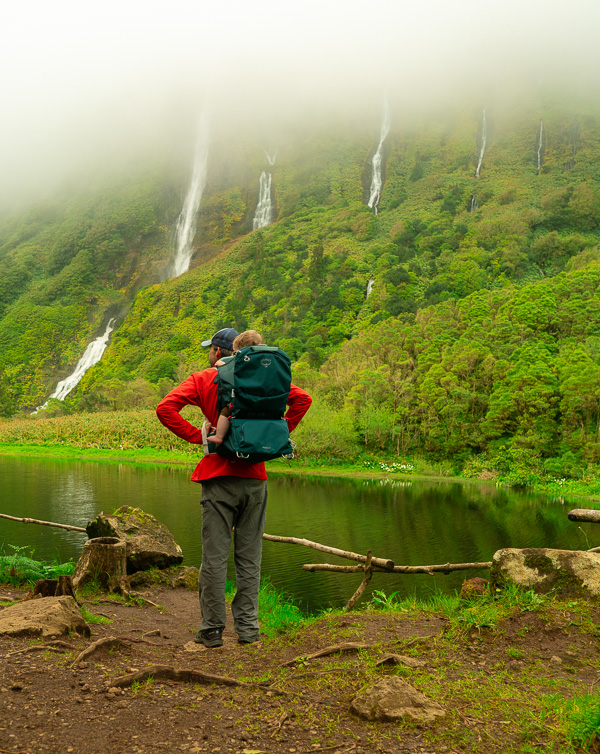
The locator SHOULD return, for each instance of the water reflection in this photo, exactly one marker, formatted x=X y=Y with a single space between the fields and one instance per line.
x=411 y=522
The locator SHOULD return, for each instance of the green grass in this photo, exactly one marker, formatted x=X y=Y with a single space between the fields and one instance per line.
x=278 y=614
x=465 y=616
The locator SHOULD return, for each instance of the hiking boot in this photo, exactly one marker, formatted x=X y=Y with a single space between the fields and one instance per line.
x=211 y=637
x=250 y=639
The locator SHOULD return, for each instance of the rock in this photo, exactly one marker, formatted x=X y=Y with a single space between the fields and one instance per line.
x=475 y=587
x=49 y=617
x=566 y=572
x=394 y=699
x=149 y=543
x=176 y=577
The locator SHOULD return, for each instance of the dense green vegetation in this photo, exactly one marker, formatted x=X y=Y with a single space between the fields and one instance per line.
x=479 y=345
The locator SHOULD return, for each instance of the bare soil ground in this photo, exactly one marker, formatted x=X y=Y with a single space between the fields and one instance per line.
x=49 y=704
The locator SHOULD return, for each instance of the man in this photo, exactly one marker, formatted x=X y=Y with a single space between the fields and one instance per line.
x=234 y=497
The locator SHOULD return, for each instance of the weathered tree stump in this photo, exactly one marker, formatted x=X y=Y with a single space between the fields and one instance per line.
x=103 y=560
x=60 y=587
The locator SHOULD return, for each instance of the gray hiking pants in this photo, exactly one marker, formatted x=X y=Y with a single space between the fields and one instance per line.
x=238 y=504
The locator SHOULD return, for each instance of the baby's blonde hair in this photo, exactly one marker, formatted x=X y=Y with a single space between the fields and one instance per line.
x=247 y=338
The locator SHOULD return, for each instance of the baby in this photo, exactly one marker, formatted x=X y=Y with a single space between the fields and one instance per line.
x=246 y=338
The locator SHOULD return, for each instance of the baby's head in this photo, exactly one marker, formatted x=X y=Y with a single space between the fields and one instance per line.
x=247 y=338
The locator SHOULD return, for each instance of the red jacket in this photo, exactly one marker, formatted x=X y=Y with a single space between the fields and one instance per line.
x=200 y=390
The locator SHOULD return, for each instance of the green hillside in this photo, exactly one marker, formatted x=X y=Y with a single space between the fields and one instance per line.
x=480 y=335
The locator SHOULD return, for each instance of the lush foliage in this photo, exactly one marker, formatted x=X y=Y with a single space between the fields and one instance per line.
x=18 y=568
x=478 y=342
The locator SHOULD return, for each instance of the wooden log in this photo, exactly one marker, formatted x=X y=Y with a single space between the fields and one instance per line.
x=43 y=523
x=383 y=563
x=103 y=560
x=444 y=568
x=584 y=514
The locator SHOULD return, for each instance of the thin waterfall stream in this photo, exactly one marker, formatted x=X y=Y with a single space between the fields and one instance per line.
x=483 y=142
x=539 y=152
x=377 y=179
x=91 y=355
x=186 y=223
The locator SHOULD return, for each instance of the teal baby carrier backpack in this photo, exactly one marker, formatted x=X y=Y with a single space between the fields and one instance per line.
x=256 y=383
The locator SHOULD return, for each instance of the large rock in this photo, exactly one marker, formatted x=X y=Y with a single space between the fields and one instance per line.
x=176 y=577
x=149 y=543
x=48 y=617
x=394 y=699
x=566 y=572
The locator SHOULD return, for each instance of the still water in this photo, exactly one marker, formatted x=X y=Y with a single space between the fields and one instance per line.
x=413 y=523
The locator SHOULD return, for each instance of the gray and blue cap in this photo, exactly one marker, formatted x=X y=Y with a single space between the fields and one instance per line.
x=222 y=339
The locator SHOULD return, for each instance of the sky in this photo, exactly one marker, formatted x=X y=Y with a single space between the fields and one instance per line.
x=82 y=82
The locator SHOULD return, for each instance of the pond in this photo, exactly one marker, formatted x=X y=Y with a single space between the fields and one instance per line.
x=411 y=522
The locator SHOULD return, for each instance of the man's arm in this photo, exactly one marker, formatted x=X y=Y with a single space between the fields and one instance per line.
x=298 y=404
x=168 y=410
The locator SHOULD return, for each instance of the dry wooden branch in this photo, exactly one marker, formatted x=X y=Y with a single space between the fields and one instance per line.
x=363 y=584
x=584 y=514
x=189 y=676
x=442 y=568
x=278 y=726
x=107 y=641
x=44 y=523
x=383 y=563
x=345 y=646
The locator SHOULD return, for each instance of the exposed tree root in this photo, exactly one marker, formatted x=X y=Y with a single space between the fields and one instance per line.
x=316 y=673
x=107 y=641
x=169 y=673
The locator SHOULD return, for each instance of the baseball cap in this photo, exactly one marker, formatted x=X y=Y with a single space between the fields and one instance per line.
x=222 y=339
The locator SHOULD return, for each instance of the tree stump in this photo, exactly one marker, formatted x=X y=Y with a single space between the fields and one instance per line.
x=103 y=560
x=60 y=587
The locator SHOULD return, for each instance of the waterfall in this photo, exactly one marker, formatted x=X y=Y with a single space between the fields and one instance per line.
x=186 y=223
x=376 y=180
x=573 y=137
x=370 y=287
x=483 y=143
x=91 y=355
x=271 y=160
x=540 y=148
x=473 y=205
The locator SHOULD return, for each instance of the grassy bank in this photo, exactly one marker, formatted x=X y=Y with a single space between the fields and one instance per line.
x=137 y=437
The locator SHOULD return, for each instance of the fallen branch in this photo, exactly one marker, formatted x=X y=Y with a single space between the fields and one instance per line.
x=442 y=568
x=44 y=523
x=383 y=563
x=278 y=726
x=188 y=676
x=345 y=646
x=363 y=584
